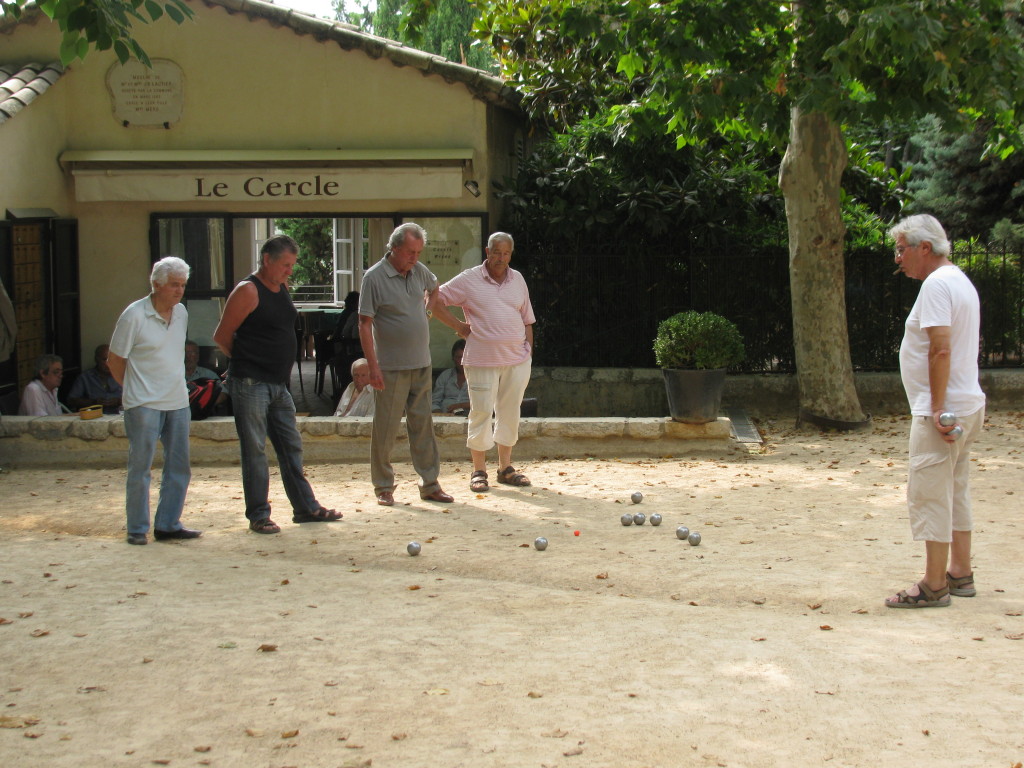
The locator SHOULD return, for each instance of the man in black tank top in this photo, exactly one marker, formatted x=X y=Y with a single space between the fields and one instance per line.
x=257 y=333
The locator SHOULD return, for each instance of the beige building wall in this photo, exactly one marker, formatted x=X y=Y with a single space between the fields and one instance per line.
x=248 y=85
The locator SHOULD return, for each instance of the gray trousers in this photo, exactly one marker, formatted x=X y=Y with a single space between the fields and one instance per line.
x=407 y=392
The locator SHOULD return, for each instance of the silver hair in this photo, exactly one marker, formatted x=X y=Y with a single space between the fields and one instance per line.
x=167 y=267
x=501 y=237
x=403 y=231
x=357 y=364
x=922 y=228
x=44 y=363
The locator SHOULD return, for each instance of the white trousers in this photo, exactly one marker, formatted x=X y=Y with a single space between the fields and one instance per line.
x=495 y=395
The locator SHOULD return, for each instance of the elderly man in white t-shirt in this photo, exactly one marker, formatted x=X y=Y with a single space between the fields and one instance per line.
x=939 y=365
x=498 y=357
x=147 y=357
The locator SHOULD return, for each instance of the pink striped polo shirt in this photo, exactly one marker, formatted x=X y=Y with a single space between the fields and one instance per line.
x=498 y=313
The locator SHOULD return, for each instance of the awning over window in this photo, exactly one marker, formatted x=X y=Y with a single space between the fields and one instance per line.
x=266 y=175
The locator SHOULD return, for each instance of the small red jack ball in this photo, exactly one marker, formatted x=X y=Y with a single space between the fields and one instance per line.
x=576 y=533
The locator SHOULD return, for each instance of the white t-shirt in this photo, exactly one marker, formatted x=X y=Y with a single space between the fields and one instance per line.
x=155 y=351
x=947 y=298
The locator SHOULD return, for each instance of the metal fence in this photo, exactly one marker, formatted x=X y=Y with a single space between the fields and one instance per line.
x=597 y=309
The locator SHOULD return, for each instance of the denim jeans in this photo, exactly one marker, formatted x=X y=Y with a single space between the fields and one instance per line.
x=265 y=410
x=144 y=426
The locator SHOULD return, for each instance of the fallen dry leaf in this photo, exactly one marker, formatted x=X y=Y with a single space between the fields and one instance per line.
x=25 y=614
x=558 y=733
x=759 y=639
x=8 y=721
x=759 y=601
x=825 y=627
x=414 y=587
x=399 y=736
x=203 y=748
x=603 y=575
x=860 y=610
x=1015 y=636
x=573 y=752
x=285 y=581
x=267 y=648
x=40 y=632
x=437 y=692
x=535 y=695
x=255 y=733
x=814 y=606
x=289 y=734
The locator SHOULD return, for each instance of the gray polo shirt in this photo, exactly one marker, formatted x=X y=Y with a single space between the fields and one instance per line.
x=397 y=305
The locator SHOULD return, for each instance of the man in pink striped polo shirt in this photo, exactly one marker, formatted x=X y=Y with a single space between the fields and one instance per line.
x=498 y=356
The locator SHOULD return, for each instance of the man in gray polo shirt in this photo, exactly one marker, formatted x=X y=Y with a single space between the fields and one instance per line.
x=393 y=328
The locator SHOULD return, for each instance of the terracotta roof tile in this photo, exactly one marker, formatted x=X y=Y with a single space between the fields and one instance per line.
x=20 y=85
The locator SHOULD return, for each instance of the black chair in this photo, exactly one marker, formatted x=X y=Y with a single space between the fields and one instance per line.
x=323 y=348
x=9 y=400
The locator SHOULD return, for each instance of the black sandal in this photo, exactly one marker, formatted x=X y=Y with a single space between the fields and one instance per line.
x=478 y=482
x=509 y=476
x=321 y=515
x=266 y=525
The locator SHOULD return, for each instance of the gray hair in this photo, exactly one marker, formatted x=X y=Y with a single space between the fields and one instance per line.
x=403 y=231
x=167 y=267
x=501 y=237
x=358 y=364
x=922 y=228
x=44 y=363
x=277 y=246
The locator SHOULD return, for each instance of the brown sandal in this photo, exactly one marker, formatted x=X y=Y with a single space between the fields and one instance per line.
x=961 y=586
x=926 y=598
x=266 y=525
x=509 y=476
x=478 y=482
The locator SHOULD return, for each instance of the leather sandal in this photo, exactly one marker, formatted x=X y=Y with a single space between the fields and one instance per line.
x=478 y=482
x=509 y=476
x=266 y=525
x=961 y=586
x=320 y=515
x=926 y=598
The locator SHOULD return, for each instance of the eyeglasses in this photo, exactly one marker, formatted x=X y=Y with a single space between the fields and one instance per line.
x=901 y=248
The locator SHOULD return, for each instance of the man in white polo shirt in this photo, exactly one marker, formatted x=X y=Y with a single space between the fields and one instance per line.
x=147 y=358
x=498 y=357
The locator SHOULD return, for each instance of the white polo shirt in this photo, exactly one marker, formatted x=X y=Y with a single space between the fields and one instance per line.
x=155 y=351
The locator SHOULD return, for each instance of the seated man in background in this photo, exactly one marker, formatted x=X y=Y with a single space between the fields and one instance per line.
x=40 y=395
x=194 y=371
x=451 y=390
x=96 y=386
x=357 y=399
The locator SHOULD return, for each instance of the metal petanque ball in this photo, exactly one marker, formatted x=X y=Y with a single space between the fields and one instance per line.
x=693 y=538
x=540 y=543
x=639 y=518
x=655 y=519
x=626 y=519
x=682 y=532
x=413 y=548
x=637 y=497
x=947 y=419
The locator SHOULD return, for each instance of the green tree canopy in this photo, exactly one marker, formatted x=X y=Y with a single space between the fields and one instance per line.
x=794 y=74
x=101 y=24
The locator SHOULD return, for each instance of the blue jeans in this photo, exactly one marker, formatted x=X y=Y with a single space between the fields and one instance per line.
x=144 y=427
x=265 y=410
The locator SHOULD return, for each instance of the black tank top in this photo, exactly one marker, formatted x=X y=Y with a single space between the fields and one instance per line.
x=265 y=345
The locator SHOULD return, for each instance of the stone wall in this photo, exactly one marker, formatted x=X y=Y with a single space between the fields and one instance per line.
x=640 y=392
x=69 y=441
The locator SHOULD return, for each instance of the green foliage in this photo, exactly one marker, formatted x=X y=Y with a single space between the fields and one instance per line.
x=698 y=340
x=966 y=187
x=102 y=24
x=437 y=26
x=315 y=265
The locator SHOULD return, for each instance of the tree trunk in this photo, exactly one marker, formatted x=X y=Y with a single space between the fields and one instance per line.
x=810 y=180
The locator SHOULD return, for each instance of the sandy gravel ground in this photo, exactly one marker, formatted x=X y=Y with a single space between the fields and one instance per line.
x=327 y=645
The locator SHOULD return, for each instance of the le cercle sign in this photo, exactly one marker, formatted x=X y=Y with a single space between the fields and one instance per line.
x=270 y=186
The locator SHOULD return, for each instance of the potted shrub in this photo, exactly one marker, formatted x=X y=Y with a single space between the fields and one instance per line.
x=693 y=349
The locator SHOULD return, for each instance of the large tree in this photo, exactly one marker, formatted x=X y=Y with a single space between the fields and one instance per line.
x=793 y=73
x=101 y=24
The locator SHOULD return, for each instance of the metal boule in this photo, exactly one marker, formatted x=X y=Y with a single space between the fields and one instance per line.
x=655 y=519
x=413 y=548
x=693 y=538
x=637 y=497
x=682 y=532
x=626 y=519
x=639 y=518
x=540 y=543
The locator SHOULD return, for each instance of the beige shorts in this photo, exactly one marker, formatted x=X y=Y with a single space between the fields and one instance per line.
x=938 y=494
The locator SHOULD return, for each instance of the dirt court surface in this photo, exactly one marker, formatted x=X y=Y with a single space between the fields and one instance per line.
x=328 y=645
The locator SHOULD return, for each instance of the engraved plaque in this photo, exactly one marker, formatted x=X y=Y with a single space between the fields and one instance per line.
x=144 y=97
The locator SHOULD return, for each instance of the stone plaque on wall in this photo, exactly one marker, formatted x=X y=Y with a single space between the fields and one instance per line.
x=144 y=97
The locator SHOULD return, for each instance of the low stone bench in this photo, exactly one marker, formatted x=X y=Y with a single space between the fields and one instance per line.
x=27 y=441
